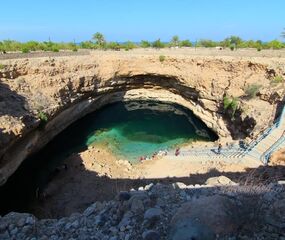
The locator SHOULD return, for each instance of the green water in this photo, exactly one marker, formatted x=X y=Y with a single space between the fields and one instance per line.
x=138 y=129
x=129 y=130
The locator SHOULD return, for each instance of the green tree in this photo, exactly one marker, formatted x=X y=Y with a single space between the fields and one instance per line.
x=129 y=45
x=114 y=46
x=99 y=39
x=185 y=43
x=87 y=45
x=232 y=41
x=174 y=41
x=275 y=44
x=206 y=43
x=145 y=44
x=235 y=40
x=158 y=44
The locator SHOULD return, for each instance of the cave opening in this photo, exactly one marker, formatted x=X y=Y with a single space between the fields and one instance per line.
x=129 y=130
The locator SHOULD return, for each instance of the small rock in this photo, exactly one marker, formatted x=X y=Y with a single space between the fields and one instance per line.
x=137 y=206
x=14 y=231
x=100 y=220
x=127 y=237
x=30 y=220
x=114 y=238
x=179 y=185
x=281 y=182
x=150 y=235
x=124 y=196
x=4 y=235
x=152 y=213
x=148 y=187
x=21 y=222
x=90 y=210
x=113 y=230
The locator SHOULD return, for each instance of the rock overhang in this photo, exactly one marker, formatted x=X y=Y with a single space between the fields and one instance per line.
x=57 y=86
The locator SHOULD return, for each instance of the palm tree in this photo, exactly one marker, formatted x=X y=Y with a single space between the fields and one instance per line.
x=175 y=41
x=99 y=38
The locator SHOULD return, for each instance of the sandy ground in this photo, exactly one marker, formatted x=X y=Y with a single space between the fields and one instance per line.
x=192 y=51
x=96 y=175
x=199 y=52
x=278 y=158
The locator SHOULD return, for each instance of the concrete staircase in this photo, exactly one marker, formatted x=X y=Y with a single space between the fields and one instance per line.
x=260 y=149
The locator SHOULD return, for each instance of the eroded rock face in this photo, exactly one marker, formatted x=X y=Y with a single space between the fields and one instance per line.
x=68 y=88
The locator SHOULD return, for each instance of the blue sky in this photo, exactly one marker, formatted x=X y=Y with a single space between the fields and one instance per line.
x=121 y=20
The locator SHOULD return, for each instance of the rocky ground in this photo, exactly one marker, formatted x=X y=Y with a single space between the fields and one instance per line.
x=218 y=209
x=97 y=175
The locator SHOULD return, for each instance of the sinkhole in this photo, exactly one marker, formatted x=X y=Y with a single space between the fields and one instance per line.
x=129 y=130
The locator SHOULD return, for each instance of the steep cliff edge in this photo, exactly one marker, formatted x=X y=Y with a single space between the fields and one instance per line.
x=67 y=88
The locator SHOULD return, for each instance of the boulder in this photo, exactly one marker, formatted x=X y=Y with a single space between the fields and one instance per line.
x=219 y=181
x=186 y=229
x=203 y=214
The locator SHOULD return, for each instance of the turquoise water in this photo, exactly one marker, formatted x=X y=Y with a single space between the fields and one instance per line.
x=129 y=130
x=138 y=129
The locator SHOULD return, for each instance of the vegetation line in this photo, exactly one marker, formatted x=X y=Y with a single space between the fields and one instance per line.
x=99 y=42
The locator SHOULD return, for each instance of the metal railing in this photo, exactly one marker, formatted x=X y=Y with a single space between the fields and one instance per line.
x=276 y=146
x=236 y=151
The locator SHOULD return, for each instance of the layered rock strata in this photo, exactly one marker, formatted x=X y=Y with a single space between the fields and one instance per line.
x=67 y=88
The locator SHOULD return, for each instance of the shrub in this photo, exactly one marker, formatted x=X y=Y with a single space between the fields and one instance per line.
x=43 y=117
x=185 y=43
x=145 y=44
x=158 y=44
x=162 y=58
x=232 y=47
x=129 y=45
x=55 y=49
x=25 y=50
x=277 y=79
x=259 y=49
x=87 y=45
x=113 y=46
x=252 y=89
x=207 y=43
x=1 y=66
x=275 y=44
x=226 y=102
x=234 y=105
x=175 y=41
x=230 y=104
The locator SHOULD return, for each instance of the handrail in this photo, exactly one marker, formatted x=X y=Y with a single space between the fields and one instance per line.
x=266 y=155
x=235 y=151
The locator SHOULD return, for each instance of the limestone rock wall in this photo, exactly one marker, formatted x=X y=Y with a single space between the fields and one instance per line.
x=67 y=88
